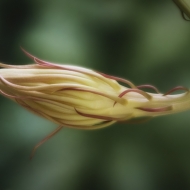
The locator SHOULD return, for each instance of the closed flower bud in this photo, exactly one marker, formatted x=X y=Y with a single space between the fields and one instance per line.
x=81 y=98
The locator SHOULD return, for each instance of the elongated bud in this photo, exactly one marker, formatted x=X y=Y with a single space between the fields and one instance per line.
x=82 y=98
x=184 y=6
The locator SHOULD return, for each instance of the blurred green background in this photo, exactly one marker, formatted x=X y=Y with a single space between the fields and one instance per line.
x=143 y=41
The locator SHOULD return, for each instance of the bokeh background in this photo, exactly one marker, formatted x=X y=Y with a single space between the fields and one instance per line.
x=144 y=41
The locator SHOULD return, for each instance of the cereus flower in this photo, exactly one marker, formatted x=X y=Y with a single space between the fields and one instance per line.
x=81 y=98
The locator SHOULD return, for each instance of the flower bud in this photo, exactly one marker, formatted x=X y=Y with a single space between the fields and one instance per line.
x=184 y=6
x=81 y=98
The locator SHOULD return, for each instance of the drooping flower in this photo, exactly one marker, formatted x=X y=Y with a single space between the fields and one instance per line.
x=81 y=98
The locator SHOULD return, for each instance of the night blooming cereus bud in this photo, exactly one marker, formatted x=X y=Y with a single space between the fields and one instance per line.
x=81 y=98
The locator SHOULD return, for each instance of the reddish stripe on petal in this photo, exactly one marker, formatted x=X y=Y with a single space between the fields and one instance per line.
x=176 y=89
x=84 y=90
x=134 y=90
x=162 y=109
x=149 y=86
x=95 y=92
x=95 y=116
x=118 y=79
x=137 y=120
x=37 y=60
x=7 y=95
x=137 y=91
